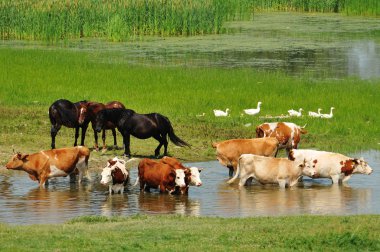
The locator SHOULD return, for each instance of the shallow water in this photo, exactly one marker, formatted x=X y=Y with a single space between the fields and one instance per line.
x=22 y=202
x=319 y=46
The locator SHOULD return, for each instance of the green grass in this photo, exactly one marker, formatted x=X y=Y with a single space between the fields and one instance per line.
x=176 y=233
x=32 y=79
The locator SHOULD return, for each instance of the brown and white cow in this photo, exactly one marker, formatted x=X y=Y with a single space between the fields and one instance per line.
x=331 y=165
x=229 y=151
x=270 y=170
x=192 y=174
x=115 y=175
x=287 y=134
x=52 y=163
x=153 y=174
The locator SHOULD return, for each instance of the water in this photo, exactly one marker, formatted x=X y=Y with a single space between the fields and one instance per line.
x=22 y=202
x=319 y=46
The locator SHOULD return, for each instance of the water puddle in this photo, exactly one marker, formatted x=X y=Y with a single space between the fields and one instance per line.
x=24 y=203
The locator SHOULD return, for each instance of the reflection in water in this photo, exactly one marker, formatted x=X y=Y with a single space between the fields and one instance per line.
x=364 y=60
x=23 y=202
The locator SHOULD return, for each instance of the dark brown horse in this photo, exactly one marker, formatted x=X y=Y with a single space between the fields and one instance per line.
x=142 y=126
x=64 y=112
x=89 y=112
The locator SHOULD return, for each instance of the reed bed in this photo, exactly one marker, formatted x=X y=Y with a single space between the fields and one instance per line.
x=349 y=7
x=116 y=20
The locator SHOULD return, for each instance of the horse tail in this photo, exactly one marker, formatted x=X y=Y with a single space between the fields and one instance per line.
x=173 y=137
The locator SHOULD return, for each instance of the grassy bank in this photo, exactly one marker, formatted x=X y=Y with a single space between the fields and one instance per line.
x=31 y=79
x=174 y=233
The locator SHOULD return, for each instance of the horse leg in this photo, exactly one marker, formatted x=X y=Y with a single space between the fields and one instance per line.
x=104 y=140
x=76 y=136
x=114 y=138
x=126 y=139
x=84 y=129
x=161 y=141
x=165 y=141
x=53 y=132
x=96 y=140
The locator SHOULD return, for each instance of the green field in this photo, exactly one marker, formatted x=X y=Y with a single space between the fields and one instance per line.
x=31 y=79
x=175 y=233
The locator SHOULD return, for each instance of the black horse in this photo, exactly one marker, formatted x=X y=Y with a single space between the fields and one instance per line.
x=142 y=126
x=64 y=112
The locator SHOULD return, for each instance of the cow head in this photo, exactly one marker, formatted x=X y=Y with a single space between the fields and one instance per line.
x=361 y=166
x=17 y=161
x=106 y=176
x=180 y=178
x=195 y=176
x=307 y=168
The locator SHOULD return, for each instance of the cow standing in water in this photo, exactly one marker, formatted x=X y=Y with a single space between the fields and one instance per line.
x=52 y=163
x=64 y=112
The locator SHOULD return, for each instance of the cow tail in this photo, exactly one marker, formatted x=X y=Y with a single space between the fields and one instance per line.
x=236 y=173
x=137 y=181
x=175 y=139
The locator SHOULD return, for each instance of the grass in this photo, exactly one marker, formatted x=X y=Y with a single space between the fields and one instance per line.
x=174 y=233
x=31 y=79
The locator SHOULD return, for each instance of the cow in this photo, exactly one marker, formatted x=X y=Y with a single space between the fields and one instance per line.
x=192 y=174
x=287 y=134
x=229 y=151
x=52 y=163
x=339 y=168
x=271 y=170
x=115 y=175
x=153 y=174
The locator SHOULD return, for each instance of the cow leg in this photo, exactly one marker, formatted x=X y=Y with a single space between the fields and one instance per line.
x=281 y=183
x=231 y=171
x=53 y=132
x=335 y=179
x=72 y=177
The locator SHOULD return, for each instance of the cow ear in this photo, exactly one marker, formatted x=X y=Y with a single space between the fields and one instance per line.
x=200 y=169
x=24 y=157
x=356 y=161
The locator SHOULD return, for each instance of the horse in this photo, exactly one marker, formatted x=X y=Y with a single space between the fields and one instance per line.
x=64 y=112
x=141 y=126
x=89 y=112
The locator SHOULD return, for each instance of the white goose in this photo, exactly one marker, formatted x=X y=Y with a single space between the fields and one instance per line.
x=328 y=116
x=253 y=111
x=218 y=113
x=293 y=112
x=315 y=114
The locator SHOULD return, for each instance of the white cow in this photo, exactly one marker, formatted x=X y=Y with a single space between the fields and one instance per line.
x=115 y=175
x=270 y=170
x=331 y=165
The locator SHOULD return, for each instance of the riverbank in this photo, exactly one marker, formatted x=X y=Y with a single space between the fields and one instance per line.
x=174 y=233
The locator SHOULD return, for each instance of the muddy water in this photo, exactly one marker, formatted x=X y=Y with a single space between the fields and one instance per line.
x=22 y=202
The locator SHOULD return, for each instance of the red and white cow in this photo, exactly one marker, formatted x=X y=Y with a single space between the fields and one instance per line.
x=331 y=165
x=270 y=170
x=52 y=163
x=192 y=174
x=287 y=134
x=115 y=175
x=153 y=174
x=229 y=151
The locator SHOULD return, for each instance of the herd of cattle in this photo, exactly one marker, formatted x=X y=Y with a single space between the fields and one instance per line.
x=250 y=158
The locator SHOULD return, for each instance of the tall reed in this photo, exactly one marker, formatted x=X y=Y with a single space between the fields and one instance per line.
x=116 y=20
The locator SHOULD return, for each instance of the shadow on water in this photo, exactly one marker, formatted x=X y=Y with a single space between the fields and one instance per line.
x=24 y=203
